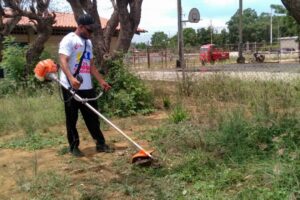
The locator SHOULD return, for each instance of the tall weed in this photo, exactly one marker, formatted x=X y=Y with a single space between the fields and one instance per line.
x=178 y=114
x=128 y=95
x=245 y=138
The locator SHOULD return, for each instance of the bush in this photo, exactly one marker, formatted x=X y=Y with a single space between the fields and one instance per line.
x=14 y=59
x=128 y=95
x=179 y=114
x=14 y=62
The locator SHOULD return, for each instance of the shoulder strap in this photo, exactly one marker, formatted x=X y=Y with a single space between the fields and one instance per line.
x=80 y=61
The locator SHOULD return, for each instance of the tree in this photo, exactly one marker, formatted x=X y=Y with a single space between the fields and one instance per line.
x=126 y=12
x=293 y=6
x=190 y=37
x=159 y=40
x=249 y=26
x=12 y=19
x=173 y=42
x=203 y=36
x=37 y=12
x=141 y=45
x=257 y=28
x=221 y=39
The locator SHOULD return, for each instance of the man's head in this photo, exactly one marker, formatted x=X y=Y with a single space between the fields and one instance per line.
x=86 y=26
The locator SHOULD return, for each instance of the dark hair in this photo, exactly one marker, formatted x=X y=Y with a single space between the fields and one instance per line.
x=85 y=19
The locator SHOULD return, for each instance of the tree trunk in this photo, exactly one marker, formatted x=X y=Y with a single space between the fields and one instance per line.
x=110 y=28
x=293 y=6
x=101 y=39
x=44 y=31
x=129 y=22
x=90 y=7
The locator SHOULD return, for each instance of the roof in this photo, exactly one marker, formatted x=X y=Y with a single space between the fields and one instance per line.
x=207 y=45
x=63 y=20
x=288 y=38
x=67 y=21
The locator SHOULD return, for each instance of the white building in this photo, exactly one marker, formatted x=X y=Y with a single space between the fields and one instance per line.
x=289 y=44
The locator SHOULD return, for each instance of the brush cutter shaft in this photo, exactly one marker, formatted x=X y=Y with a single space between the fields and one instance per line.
x=52 y=76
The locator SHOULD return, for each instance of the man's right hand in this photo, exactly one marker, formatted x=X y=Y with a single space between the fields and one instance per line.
x=75 y=83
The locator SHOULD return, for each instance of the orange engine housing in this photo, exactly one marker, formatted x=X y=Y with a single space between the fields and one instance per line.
x=43 y=68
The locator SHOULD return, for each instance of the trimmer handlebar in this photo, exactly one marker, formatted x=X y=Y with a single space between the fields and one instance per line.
x=53 y=77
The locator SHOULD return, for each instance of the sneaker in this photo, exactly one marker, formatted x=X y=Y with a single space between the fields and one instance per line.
x=76 y=152
x=104 y=148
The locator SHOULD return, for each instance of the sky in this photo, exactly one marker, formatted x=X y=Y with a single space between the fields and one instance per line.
x=161 y=15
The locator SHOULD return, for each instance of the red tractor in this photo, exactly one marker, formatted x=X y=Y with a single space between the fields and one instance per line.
x=209 y=53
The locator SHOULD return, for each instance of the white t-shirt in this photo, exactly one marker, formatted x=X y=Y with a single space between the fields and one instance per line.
x=73 y=46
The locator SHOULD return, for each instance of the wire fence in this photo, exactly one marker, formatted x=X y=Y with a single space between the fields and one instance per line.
x=164 y=58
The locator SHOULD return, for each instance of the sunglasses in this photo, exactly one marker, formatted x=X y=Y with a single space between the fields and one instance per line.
x=89 y=29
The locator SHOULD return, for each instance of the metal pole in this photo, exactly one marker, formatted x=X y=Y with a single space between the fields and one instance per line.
x=211 y=32
x=241 y=59
x=180 y=34
x=180 y=38
x=148 y=57
x=271 y=28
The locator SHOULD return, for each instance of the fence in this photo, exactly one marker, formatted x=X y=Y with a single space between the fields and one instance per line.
x=163 y=59
x=153 y=58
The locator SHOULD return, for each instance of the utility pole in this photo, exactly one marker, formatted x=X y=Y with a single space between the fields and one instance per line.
x=211 y=32
x=180 y=39
x=240 y=58
x=271 y=27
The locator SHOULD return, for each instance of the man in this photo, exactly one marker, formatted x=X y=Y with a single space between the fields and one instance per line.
x=75 y=50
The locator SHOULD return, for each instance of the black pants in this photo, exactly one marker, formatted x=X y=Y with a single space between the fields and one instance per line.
x=90 y=118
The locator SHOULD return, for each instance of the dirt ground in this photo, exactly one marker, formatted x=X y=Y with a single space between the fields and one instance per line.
x=18 y=166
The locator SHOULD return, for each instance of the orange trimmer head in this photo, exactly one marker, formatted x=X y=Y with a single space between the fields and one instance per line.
x=142 y=158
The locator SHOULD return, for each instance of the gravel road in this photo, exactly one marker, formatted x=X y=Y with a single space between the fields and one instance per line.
x=258 y=71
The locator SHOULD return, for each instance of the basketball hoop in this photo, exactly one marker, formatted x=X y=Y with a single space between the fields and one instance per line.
x=194 y=15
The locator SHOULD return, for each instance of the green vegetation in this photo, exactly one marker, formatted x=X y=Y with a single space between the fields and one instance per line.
x=178 y=114
x=230 y=139
x=14 y=65
x=49 y=185
x=159 y=40
x=128 y=95
x=251 y=152
x=31 y=118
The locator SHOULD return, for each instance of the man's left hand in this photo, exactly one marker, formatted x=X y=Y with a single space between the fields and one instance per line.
x=105 y=86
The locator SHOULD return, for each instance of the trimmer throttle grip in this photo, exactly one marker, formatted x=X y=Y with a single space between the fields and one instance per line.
x=79 y=78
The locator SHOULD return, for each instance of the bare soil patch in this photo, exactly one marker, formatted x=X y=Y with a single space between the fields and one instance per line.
x=18 y=167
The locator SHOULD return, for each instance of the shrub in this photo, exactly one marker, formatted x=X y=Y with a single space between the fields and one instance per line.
x=128 y=94
x=166 y=103
x=13 y=59
x=179 y=114
x=14 y=62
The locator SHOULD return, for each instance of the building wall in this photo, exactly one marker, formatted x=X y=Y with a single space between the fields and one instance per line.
x=289 y=43
x=52 y=43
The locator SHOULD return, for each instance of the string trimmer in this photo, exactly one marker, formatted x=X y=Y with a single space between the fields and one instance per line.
x=47 y=69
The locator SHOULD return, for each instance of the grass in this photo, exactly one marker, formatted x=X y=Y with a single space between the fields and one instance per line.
x=230 y=139
x=251 y=152
x=30 y=113
x=31 y=119
x=47 y=185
